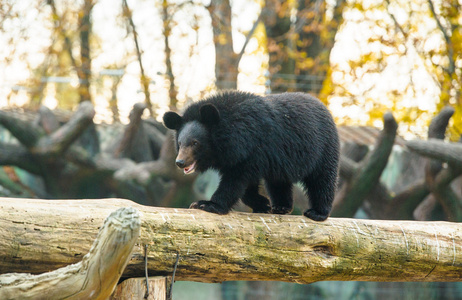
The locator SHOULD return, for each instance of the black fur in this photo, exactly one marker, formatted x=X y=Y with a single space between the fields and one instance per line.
x=283 y=139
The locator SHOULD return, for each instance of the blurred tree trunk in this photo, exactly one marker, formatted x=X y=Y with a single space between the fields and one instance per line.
x=84 y=71
x=315 y=34
x=226 y=60
x=144 y=79
x=300 y=50
x=83 y=68
x=167 y=25
x=113 y=105
x=276 y=17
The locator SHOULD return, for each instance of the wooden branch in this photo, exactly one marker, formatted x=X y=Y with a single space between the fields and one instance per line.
x=439 y=123
x=38 y=235
x=134 y=143
x=155 y=137
x=376 y=202
x=425 y=208
x=437 y=130
x=439 y=150
x=95 y=277
x=368 y=172
x=248 y=37
x=403 y=205
x=143 y=172
x=25 y=132
x=47 y=120
x=445 y=194
x=17 y=155
x=60 y=140
x=348 y=167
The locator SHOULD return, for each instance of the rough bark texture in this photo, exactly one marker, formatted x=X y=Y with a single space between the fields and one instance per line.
x=95 y=277
x=135 y=288
x=40 y=235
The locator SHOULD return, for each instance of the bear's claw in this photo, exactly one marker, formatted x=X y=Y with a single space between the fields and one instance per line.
x=209 y=206
x=281 y=210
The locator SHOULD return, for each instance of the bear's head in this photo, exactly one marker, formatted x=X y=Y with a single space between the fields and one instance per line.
x=195 y=152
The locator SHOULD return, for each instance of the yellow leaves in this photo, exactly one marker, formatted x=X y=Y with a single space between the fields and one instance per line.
x=306 y=63
x=455 y=129
x=456 y=39
x=260 y=35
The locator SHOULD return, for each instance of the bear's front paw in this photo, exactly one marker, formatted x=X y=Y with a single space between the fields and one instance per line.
x=315 y=215
x=281 y=210
x=209 y=206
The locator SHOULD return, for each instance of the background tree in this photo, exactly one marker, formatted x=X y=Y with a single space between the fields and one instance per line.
x=144 y=79
x=82 y=65
x=299 y=46
x=226 y=59
x=417 y=42
x=167 y=30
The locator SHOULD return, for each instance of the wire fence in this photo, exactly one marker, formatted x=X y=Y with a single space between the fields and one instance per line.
x=292 y=82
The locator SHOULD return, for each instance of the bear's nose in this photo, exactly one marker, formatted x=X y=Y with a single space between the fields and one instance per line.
x=180 y=163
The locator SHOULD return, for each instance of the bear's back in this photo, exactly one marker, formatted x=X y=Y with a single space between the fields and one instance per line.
x=277 y=135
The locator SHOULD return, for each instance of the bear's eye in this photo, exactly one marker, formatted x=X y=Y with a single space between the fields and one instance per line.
x=195 y=143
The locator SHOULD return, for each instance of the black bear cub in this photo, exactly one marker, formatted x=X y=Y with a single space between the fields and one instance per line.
x=283 y=139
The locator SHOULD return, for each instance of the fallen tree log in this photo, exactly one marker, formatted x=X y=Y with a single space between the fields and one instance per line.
x=95 y=277
x=42 y=235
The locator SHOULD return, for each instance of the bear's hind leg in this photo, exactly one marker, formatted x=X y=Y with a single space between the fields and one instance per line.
x=320 y=190
x=257 y=202
x=281 y=196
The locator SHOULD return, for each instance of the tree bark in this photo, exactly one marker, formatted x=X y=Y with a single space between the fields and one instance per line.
x=366 y=175
x=135 y=288
x=39 y=235
x=226 y=63
x=95 y=277
x=84 y=72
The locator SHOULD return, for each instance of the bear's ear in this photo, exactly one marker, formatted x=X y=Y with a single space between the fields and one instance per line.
x=172 y=120
x=209 y=114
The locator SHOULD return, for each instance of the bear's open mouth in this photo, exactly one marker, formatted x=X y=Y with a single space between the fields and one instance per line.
x=190 y=169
